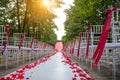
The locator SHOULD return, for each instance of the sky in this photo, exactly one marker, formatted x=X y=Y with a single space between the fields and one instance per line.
x=59 y=21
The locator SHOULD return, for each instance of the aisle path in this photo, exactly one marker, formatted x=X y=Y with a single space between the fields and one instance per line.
x=55 y=67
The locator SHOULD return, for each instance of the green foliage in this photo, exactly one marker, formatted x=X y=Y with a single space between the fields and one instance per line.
x=31 y=17
x=85 y=12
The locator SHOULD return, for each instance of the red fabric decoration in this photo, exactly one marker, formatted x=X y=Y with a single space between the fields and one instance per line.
x=7 y=34
x=4 y=48
x=36 y=46
x=21 y=40
x=44 y=45
x=74 y=41
x=88 y=41
x=31 y=44
x=71 y=47
x=79 y=43
x=101 y=44
x=65 y=47
x=7 y=29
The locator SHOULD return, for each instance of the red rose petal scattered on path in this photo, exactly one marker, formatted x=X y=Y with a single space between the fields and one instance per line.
x=20 y=76
x=74 y=78
x=74 y=67
x=8 y=78
x=82 y=74
x=90 y=78
x=13 y=76
x=2 y=78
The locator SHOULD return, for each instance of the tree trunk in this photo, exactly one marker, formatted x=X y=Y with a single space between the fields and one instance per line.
x=18 y=16
x=34 y=30
x=28 y=32
x=25 y=17
x=24 y=22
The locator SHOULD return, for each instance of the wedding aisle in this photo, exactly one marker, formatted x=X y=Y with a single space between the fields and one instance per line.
x=57 y=66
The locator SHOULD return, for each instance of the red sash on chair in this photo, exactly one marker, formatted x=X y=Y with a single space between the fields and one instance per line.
x=79 y=43
x=31 y=44
x=73 y=49
x=101 y=44
x=7 y=34
x=88 y=41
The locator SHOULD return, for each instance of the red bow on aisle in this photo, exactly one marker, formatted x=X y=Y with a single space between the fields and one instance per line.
x=101 y=44
x=79 y=43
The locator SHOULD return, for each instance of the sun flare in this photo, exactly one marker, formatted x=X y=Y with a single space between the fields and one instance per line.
x=59 y=12
x=46 y=3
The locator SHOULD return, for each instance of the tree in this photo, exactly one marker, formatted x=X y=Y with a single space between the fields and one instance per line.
x=83 y=13
x=29 y=16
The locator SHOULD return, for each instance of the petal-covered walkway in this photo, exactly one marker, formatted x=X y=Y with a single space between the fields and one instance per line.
x=57 y=66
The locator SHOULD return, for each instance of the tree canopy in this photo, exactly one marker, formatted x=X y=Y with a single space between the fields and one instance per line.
x=85 y=12
x=31 y=17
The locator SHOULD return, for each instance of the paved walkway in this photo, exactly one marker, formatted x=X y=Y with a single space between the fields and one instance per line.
x=55 y=67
